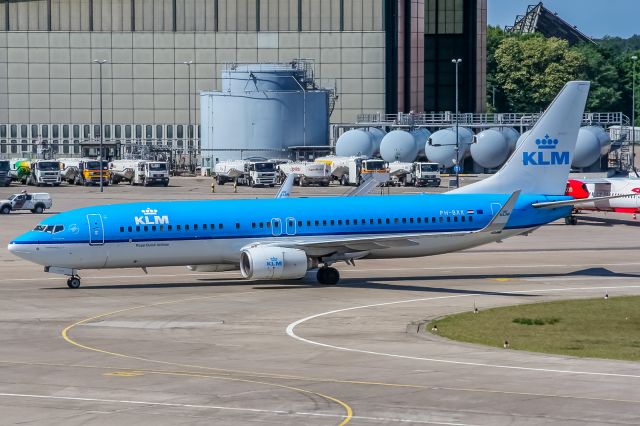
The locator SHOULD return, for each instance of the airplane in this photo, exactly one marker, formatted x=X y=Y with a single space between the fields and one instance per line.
x=621 y=195
x=277 y=239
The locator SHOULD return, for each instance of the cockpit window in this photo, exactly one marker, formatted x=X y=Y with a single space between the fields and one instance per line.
x=52 y=229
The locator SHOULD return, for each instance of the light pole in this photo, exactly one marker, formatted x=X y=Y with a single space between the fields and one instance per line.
x=634 y=58
x=101 y=62
x=457 y=163
x=190 y=141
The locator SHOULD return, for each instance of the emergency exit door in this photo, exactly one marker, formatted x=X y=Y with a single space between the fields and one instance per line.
x=96 y=229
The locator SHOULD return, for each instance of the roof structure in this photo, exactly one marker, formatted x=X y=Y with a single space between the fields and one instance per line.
x=539 y=19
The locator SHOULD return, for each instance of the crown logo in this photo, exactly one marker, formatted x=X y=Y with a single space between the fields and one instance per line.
x=148 y=212
x=547 y=143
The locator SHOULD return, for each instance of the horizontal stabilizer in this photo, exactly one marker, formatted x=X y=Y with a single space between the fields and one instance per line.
x=575 y=202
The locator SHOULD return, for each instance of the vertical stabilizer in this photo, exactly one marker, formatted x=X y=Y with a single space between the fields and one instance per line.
x=541 y=164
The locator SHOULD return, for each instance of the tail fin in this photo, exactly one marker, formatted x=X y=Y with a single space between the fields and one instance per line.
x=541 y=164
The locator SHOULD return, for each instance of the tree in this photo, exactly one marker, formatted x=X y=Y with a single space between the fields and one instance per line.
x=495 y=35
x=532 y=69
x=599 y=67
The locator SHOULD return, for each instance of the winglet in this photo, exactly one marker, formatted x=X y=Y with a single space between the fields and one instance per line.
x=501 y=218
x=287 y=185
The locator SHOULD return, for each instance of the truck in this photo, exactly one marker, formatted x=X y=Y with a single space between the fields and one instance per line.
x=352 y=170
x=20 y=169
x=45 y=172
x=36 y=202
x=83 y=171
x=139 y=172
x=246 y=172
x=307 y=173
x=5 y=173
x=416 y=174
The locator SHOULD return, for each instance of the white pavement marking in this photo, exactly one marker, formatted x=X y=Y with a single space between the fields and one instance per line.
x=291 y=327
x=218 y=407
x=107 y=277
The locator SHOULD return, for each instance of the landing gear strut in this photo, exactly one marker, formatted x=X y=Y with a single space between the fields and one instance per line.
x=73 y=282
x=328 y=276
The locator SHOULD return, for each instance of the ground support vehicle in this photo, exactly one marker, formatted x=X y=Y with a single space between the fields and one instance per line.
x=45 y=172
x=352 y=170
x=20 y=170
x=416 y=174
x=307 y=173
x=139 y=172
x=5 y=173
x=37 y=202
x=89 y=173
x=246 y=172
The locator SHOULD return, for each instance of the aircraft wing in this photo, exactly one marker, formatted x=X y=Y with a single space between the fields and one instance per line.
x=325 y=246
x=286 y=187
x=577 y=201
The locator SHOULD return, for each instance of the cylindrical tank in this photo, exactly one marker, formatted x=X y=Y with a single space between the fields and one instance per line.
x=354 y=142
x=510 y=134
x=491 y=149
x=398 y=145
x=522 y=138
x=587 y=147
x=376 y=138
x=245 y=118
x=603 y=138
x=421 y=135
x=441 y=145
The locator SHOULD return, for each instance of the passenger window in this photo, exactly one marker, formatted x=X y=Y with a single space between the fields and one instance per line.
x=363 y=222
x=253 y=225
x=333 y=222
x=324 y=223
x=404 y=220
x=448 y=219
x=419 y=220
x=146 y=229
x=346 y=222
x=178 y=227
x=261 y=225
x=237 y=225
x=388 y=221
x=433 y=220
x=371 y=221
x=161 y=228
x=455 y=218
x=212 y=226
x=122 y=229
x=220 y=226
x=395 y=220
x=441 y=219
x=268 y=224
x=317 y=222
x=204 y=226
x=129 y=229
x=153 y=228
x=169 y=228
x=299 y=223
x=410 y=220
x=470 y=218
x=137 y=229
x=186 y=227
x=340 y=222
x=463 y=218
x=195 y=227
x=308 y=223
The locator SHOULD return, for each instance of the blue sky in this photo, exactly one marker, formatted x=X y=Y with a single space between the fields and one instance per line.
x=595 y=18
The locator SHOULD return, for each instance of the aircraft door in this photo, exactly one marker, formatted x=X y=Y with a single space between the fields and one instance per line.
x=96 y=229
x=290 y=226
x=495 y=208
x=276 y=227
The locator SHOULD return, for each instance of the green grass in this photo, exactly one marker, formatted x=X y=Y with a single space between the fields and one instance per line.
x=595 y=328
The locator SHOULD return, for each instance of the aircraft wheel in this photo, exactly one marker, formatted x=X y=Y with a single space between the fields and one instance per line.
x=73 y=282
x=328 y=276
x=571 y=220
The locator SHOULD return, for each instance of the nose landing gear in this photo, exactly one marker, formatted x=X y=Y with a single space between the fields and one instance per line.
x=73 y=282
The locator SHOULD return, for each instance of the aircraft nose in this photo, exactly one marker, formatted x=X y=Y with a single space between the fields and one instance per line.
x=25 y=251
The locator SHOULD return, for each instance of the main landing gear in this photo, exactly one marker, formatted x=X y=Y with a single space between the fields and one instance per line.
x=73 y=282
x=328 y=276
x=571 y=220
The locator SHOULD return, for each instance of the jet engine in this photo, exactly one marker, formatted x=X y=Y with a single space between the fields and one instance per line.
x=272 y=263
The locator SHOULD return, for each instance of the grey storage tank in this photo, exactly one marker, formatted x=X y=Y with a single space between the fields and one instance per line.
x=398 y=145
x=490 y=149
x=441 y=145
x=262 y=110
x=592 y=143
x=510 y=134
x=421 y=136
x=354 y=142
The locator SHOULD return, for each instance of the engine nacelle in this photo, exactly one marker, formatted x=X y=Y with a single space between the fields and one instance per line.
x=216 y=267
x=272 y=263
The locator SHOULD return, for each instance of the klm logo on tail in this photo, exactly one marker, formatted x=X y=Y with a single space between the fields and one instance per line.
x=547 y=154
